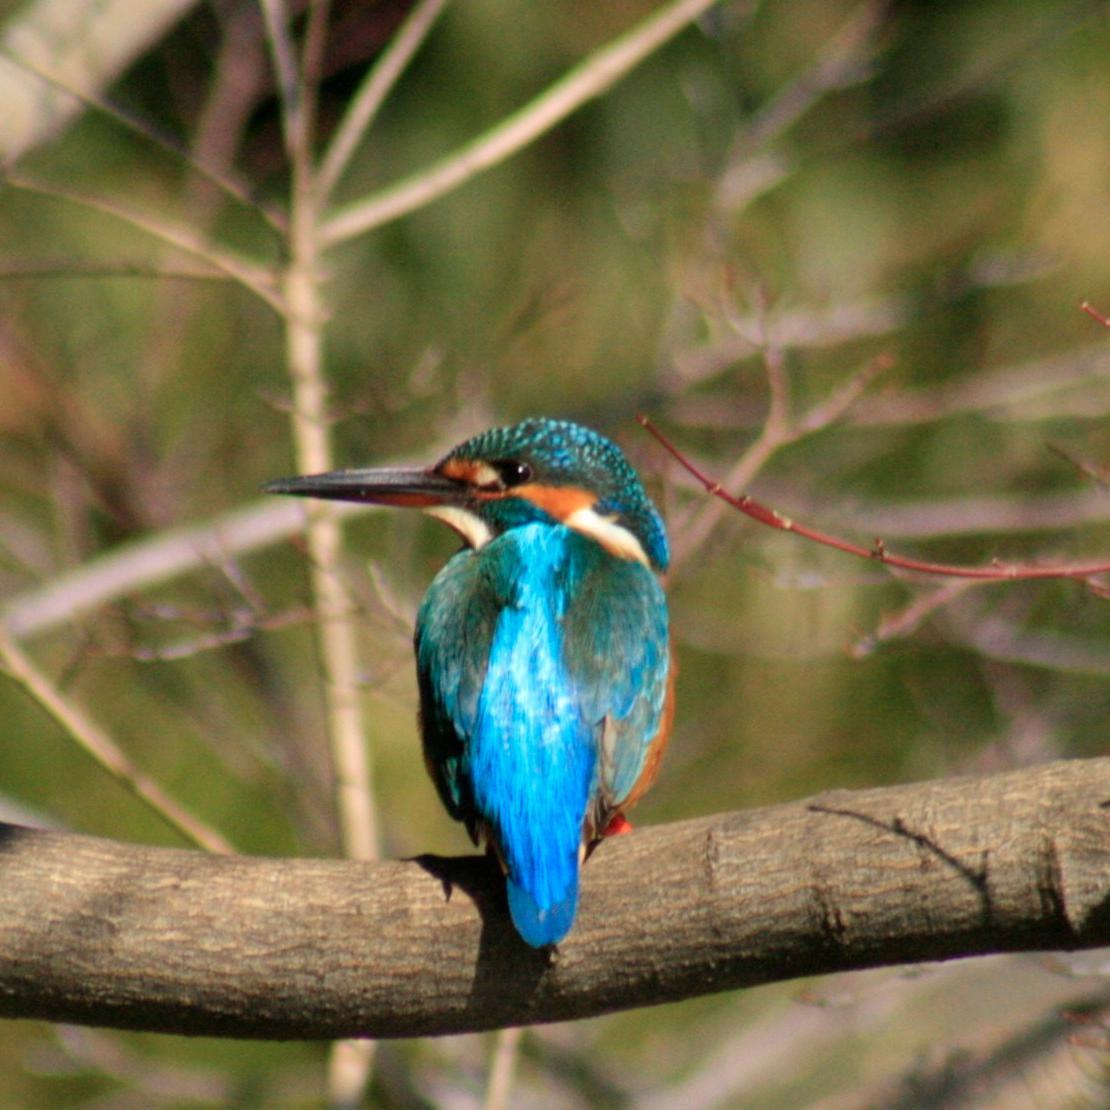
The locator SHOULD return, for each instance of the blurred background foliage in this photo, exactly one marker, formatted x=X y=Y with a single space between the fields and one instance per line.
x=807 y=183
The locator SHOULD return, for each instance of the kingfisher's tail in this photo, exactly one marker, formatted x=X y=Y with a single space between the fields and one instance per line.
x=541 y=926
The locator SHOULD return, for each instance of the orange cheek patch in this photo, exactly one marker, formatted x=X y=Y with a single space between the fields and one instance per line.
x=461 y=470
x=556 y=501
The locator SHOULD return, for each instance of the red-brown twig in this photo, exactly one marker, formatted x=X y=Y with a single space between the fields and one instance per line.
x=1094 y=313
x=995 y=571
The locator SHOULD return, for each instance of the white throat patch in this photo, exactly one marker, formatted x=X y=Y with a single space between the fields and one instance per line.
x=614 y=537
x=471 y=527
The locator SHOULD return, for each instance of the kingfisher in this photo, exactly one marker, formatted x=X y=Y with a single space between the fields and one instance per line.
x=542 y=647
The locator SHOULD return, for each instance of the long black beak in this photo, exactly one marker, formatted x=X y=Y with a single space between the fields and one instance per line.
x=387 y=485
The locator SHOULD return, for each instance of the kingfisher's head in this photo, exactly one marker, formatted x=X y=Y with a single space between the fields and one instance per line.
x=539 y=470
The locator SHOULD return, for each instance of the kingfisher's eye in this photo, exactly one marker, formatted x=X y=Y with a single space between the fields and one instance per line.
x=512 y=472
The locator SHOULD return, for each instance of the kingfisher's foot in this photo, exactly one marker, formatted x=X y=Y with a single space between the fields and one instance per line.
x=618 y=826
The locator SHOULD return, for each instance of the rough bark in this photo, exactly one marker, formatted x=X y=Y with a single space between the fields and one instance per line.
x=106 y=933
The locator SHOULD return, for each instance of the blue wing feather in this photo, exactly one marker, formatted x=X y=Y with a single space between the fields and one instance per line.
x=619 y=655
x=529 y=652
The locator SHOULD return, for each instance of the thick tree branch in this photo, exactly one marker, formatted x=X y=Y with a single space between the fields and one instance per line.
x=159 y=939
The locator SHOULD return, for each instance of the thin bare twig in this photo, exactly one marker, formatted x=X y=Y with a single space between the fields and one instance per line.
x=910 y=617
x=75 y=268
x=848 y=321
x=239 y=628
x=258 y=279
x=371 y=94
x=1098 y=475
x=752 y=168
x=506 y=1050
x=844 y=61
x=98 y=744
x=580 y=84
x=220 y=178
x=138 y=565
x=999 y=637
x=841 y=399
x=283 y=53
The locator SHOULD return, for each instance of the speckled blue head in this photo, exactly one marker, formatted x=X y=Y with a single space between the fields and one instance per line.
x=543 y=468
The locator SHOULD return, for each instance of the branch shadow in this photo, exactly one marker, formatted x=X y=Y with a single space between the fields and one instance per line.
x=506 y=968
x=978 y=878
